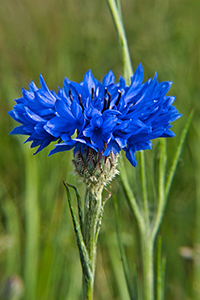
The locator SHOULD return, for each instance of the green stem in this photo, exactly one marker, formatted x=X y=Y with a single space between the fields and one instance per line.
x=130 y=196
x=144 y=189
x=161 y=189
x=161 y=265
x=32 y=226
x=88 y=289
x=148 y=267
x=116 y=14
x=142 y=217
x=93 y=215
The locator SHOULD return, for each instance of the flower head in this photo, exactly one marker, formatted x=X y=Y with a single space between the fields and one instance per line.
x=105 y=117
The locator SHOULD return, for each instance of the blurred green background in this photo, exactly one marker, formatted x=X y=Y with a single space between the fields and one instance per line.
x=59 y=38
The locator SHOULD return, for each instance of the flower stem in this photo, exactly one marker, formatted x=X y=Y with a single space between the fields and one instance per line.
x=88 y=289
x=116 y=14
x=148 y=269
x=92 y=223
x=32 y=226
x=144 y=189
x=142 y=217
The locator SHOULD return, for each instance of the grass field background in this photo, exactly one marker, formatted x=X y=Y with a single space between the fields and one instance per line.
x=60 y=38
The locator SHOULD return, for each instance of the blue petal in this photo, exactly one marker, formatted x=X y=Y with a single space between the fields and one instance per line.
x=28 y=95
x=32 y=86
x=18 y=130
x=62 y=147
x=137 y=78
x=15 y=115
x=44 y=144
x=88 y=131
x=163 y=88
x=90 y=82
x=56 y=126
x=76 y=110
x=44 y=98
x=97 y=141
x=130 y=154
x=108 y=79
x=32 y=116
x=43 y=84
x=63 y=110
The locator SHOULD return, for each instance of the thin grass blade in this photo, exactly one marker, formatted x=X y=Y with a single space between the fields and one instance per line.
x=84 y=257
x=132 y=288
x=177 y=155
x=80 y=210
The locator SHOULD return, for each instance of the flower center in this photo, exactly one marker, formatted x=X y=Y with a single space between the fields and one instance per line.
x=108 y=100
x=79 y=99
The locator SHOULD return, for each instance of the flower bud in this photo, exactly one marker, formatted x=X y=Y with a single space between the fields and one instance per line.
x=94 y=168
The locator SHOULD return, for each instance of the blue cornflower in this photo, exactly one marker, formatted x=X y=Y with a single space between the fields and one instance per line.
x=105 y=117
